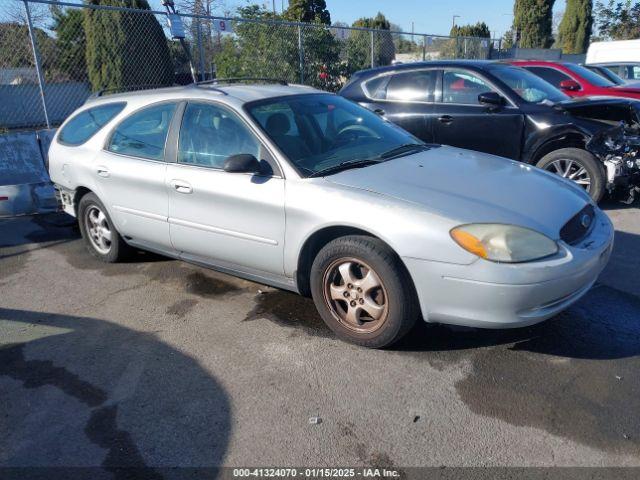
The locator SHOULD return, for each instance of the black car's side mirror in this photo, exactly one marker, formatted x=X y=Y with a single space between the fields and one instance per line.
x=491 y=98
x=242 y=163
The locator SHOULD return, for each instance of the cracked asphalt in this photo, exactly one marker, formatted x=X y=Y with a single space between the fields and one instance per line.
x=155 y=363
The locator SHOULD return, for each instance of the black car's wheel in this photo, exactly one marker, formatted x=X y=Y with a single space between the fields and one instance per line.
x=577 y=165
x=98 y=231
x=362 y=291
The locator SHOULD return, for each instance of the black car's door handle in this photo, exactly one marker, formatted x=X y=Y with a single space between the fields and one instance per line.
x=446 y=119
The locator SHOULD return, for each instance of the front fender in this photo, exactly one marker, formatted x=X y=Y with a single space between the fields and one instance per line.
x=544 y=140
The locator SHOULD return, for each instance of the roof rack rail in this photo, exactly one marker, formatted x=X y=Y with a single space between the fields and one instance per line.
x=279 y=81
x=131 y=88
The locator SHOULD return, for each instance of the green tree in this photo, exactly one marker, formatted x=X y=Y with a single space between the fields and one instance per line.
x=508 y=39
x=15 y=50
x=359 y=44
x=532 y=23
x=618 y=20
x=468 y=41
x=271 y=50
x=575 y=28
x=71 y=44
x=125 y=48
x=308 y=11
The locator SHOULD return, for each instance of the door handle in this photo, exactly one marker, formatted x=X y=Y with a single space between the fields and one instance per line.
x=446 y=119
x=103 y=172
x=181 y=186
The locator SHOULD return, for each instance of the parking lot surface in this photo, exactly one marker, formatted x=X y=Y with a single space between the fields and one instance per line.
x=156 y=363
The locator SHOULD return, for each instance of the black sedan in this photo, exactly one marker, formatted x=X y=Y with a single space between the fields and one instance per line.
x=501 y=109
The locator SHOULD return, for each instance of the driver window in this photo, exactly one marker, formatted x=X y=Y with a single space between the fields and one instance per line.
x=209 y=134
x=462 y=87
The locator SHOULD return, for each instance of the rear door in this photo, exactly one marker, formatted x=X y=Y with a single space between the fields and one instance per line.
x=406 y=98
x=130 y=173
x=461 y=121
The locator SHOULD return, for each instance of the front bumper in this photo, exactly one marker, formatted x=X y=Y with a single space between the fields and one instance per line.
x=499 y=295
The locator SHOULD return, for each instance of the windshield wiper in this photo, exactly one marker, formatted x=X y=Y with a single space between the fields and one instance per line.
x=403 y=149
x=343 y=166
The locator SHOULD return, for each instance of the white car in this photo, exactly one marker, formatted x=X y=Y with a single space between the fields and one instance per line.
x=309 y=192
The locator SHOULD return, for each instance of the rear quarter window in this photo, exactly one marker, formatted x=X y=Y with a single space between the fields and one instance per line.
x=87 y=123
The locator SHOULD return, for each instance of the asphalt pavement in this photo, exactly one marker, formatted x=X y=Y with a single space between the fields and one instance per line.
x=158 y=364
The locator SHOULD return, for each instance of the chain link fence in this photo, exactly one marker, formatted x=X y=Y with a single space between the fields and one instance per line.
x=53 y=55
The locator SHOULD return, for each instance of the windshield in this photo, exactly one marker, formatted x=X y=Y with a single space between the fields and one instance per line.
x=591 y=77
x=526 y=85
x=319 y=132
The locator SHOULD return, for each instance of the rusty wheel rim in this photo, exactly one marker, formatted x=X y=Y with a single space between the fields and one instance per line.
x=355 y=295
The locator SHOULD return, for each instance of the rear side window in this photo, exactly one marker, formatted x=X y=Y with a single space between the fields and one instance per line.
x=87 y=123
x=144 y=133
x=551 y=75
x=416 y=86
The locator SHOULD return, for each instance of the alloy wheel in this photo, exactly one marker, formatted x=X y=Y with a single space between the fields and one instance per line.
x=98 y=229
x=571 y=170
x=355 y=295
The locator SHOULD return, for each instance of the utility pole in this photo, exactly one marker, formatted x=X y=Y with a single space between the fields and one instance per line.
x=453 y=24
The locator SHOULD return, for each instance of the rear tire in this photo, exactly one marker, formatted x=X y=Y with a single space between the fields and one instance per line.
x=98 y=231
x=362 y=291
x=577 y=165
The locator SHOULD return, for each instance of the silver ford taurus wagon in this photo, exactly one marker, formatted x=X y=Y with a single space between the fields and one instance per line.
x=309 y=192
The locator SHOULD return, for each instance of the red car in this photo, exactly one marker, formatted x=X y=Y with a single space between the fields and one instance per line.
x=576 y=80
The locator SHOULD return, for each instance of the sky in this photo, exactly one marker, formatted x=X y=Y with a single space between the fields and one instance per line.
x=428 y=16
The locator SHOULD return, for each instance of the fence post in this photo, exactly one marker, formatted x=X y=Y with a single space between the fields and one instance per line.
x=424 y=48
x=36 y=58
x=373 y=61
x=301 y=54
x=200 y=51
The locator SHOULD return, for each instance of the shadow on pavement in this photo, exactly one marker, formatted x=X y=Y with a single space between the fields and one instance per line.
x=85 y=392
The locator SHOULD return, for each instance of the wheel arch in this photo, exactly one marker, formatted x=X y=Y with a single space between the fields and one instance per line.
x=571 y=139
x=318 y=239
x=77 y=196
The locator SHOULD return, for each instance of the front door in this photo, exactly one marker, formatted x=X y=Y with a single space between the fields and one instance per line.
x=234 y=219
x=461 y=121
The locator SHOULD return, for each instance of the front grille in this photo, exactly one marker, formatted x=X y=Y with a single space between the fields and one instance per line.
x=579 y=226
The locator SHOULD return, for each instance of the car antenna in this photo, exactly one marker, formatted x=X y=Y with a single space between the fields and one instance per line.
x=177 y=32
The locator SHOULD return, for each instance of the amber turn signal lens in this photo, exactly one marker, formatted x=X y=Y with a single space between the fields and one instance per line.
x=469 y=243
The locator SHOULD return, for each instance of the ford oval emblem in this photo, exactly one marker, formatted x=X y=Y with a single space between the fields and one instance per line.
x=585 y=221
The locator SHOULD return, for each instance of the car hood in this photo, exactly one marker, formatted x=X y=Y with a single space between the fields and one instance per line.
x=581 y=102
x=603 y=109
x=472 y=187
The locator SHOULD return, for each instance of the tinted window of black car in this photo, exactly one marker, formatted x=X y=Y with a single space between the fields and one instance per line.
x=417 y=86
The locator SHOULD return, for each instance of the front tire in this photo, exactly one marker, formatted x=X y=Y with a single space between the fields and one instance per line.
x=362 y=291
x=577 y=165
x=98 y=231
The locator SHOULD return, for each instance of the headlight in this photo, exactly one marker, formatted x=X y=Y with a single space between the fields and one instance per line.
x=503 y=243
